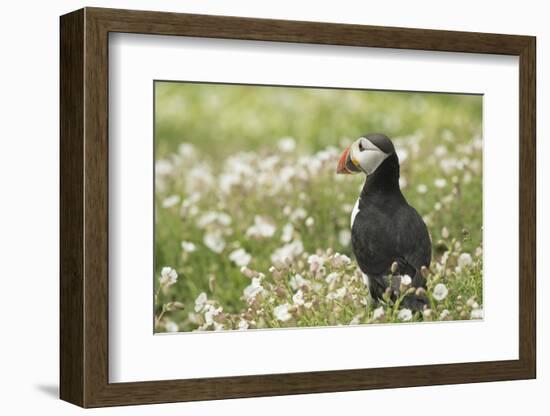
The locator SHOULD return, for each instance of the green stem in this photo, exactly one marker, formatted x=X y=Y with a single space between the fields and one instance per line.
x=158 y=318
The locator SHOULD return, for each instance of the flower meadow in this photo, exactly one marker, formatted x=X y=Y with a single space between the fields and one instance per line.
x=252 y=224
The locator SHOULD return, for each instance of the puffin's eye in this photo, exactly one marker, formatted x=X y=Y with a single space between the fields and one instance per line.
x=361 y=148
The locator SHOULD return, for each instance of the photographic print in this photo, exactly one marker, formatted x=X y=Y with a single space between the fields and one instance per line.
x=283 y=207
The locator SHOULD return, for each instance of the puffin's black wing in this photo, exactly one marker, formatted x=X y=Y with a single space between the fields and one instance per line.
x=413 y=241
x=387 y=230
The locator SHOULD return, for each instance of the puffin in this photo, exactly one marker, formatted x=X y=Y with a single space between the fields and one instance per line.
x=389 y=238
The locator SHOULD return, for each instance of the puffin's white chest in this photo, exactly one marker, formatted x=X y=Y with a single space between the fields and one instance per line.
x=354 y=213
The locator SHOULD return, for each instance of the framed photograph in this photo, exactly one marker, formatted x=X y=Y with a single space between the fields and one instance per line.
x=255 y=207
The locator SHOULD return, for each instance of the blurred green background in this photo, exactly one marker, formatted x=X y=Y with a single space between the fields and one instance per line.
x=221 y=119
x=439 y=143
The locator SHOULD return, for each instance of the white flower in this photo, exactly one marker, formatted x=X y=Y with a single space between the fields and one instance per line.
x=193 y=317
x=448 y=164
x=402 y=154
x=214 y=241
x=355 y=320
x=315 y=262
x=200 y=302
x=284 y=176
x=253 y=288
x=440 y=292
x=239 y=170
x=440 y=151
x=224 y=219
x=286 y=144
x=211 y=217
x=447 y=135
x=188 y=247
x=281 y=312
x=298 y=214
x=298 y=297
x=206 y=219
x=345 y=260
x=339 y=260
x=218 y=327
x=288 y=251
x=440 y=183
x=288 y=230
x=170 y=201
x=186 y=150
x=406 y=280
x=168 y=276
x=444 y=313
x=261 y=228
x=309 y=222
x=421 y=189
x=404 y=314
x=445 y=233
x=243 y=324
x=476 y=314
x=297 y=281
x=314 y=258
x=199 y=178
x=364 y=278
x=210 y=312
x=339 y=294
x=163 y=167
x=464 y=260
x=188 y=205
x=171 y=326
x=268 y=163
x=240 y=257
x=331 y=277
x=472 y=303
x=344 y=237
x=378 y=313
x=227 y=181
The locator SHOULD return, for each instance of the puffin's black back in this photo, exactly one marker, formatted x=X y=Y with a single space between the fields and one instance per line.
x=387 y=229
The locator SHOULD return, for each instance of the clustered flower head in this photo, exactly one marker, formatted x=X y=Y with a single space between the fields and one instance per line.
x=440 y=292
x=168 y=277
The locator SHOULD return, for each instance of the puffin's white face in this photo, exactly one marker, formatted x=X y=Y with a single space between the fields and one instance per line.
x=361 y=156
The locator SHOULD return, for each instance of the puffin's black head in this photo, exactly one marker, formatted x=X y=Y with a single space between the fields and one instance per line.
x=366 y=154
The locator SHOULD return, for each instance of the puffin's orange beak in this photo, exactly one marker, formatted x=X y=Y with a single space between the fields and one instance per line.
x=343 y=162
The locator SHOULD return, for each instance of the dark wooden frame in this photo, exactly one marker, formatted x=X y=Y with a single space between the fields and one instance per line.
x=84 y=207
